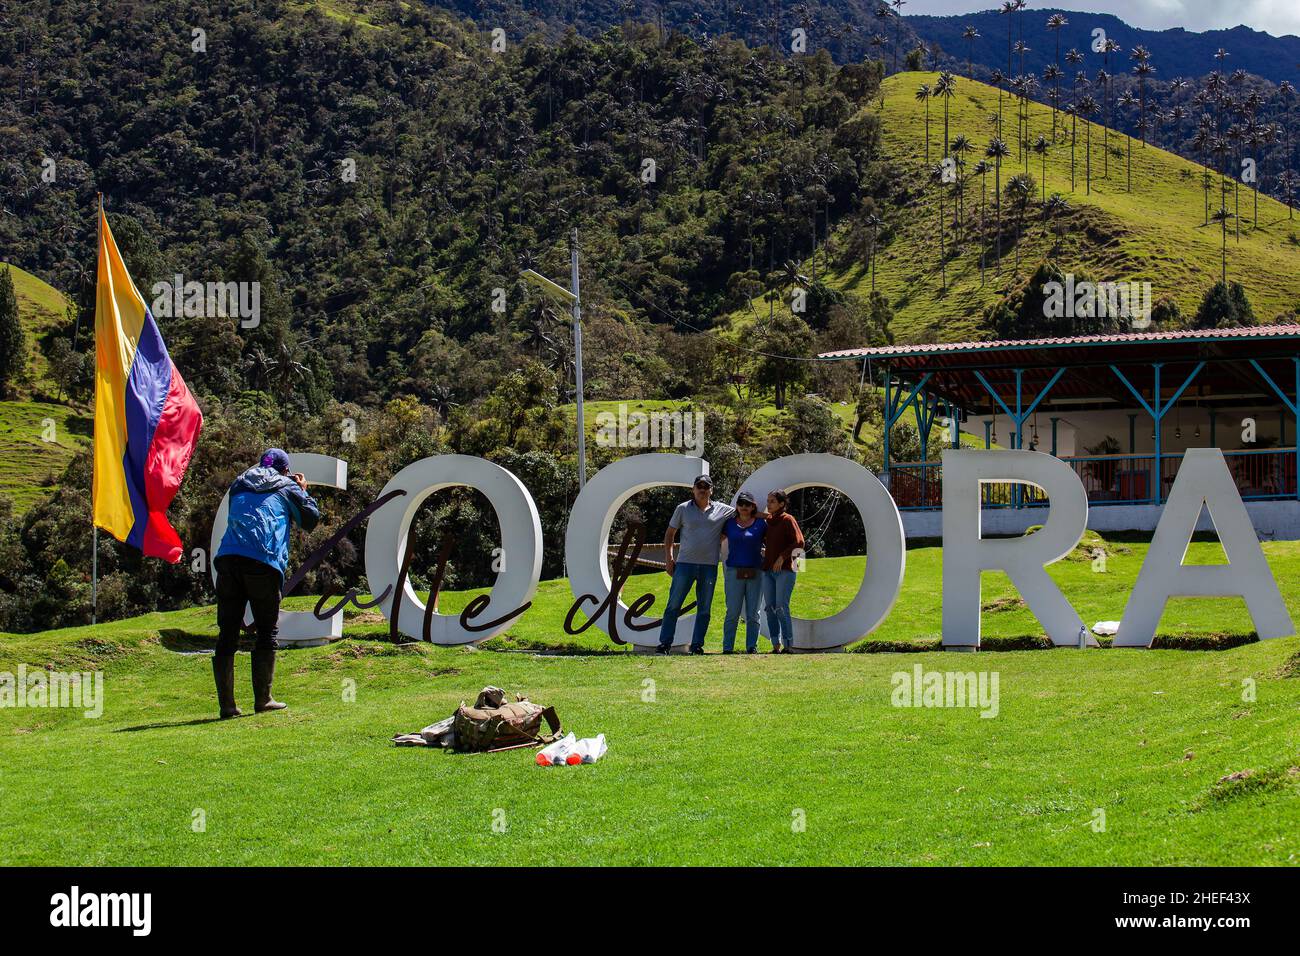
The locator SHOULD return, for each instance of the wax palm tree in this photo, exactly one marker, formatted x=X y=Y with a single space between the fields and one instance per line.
x=1054 y=23
x=1103 y=82
x=997 y=151
x=1125 y=101
x=1142 y=70
x=981 y=170
x=1053 y=75
x=1259 y=136
x=1053 y=210
x=937 y=173
x=1287 y=187
x=1085 y=108
x=970 y=35
x=1041 y=146
x=1222 y=217
x=1008 y=8
x=898 y=30
x=961 y=148
x=997 y=78
x=1110 y=46
x=923 y=95
x=1020 y=189
x=944 y=89
x=873 y=222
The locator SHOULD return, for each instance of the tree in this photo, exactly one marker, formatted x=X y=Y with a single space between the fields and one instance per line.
x=1053 y=211
x=1041 y=147
x=970 y=35
x=13 y=341
x=1085 y=108
x=944 y=89
x=997 y=151
x=1142 y=70
x=1054 y=23
x=1224 y=306
x=923 y=94
x=1020 y=189
x=784 y=342
x=898 y=30
x=1222 y=217
x=937 y=174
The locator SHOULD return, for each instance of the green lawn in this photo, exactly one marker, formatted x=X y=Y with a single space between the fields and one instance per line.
x=713 y=760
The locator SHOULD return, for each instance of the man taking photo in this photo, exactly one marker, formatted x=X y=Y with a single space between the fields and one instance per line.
x=265 y=503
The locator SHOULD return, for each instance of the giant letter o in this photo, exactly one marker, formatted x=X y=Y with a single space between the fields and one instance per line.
x=586 y=542
x=886 y=552
x=521 y=543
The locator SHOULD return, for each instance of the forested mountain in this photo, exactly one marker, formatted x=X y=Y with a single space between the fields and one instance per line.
x=1186 y=52
x=386 y=171
x=386 y=182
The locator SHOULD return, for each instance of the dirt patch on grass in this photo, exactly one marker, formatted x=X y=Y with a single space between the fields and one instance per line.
x=1246 y=783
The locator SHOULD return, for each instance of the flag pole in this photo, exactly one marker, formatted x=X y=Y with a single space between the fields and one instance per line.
x=94 y=571
x=94 y=528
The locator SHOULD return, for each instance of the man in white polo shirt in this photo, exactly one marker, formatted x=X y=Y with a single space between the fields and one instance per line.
x=698 y=523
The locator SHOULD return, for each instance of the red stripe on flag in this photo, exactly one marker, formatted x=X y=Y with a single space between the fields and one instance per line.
x=169 y=455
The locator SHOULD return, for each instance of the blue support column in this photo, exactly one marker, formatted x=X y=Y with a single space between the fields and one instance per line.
x=1292 y=405
x=1054 y=421
x=1132 y=433
x=1155 y=397
x=1157 y=409
x=1021 y=414
x=954 y=414
x=896 y=405
x=885 y=423
x=988 y=436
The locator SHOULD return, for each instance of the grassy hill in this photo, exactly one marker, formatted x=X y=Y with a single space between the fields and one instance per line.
x=1156 y=233
x=711 y=759
x=37 y=437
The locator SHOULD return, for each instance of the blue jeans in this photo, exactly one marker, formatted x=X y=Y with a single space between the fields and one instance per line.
x=685 y=574
x=746 y=594
x=777 y=588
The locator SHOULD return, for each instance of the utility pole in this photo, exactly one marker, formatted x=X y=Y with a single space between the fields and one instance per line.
x=577 y=362
x=571 y=296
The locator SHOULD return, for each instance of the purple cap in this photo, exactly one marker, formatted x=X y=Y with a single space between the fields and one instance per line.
x=276 y=458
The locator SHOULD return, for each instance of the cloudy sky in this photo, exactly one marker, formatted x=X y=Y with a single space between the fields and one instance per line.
x=1275 y=16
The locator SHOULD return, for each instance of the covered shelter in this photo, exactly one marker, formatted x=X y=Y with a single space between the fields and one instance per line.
x=1119 y=408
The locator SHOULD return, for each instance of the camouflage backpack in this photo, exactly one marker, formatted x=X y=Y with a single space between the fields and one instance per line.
x=492 y=724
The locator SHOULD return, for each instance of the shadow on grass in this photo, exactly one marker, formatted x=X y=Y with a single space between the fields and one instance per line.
x=166 y=725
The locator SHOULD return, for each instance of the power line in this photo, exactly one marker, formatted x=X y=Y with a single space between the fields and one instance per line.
x=695 y=328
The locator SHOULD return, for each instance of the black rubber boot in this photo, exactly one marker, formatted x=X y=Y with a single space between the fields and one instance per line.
x=263 y=675
x=223 y=672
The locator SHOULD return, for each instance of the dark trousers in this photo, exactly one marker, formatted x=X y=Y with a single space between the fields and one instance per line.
x=242 y=581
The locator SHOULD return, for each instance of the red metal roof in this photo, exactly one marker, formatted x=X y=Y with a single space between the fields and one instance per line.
x=1180 y=335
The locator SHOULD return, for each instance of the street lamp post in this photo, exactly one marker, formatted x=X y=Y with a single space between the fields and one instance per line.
x=573 y=297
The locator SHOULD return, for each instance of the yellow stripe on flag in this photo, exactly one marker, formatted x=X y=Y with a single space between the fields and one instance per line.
x=119 y=319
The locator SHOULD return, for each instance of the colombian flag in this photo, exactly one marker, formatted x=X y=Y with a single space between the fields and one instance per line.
x=146 y=420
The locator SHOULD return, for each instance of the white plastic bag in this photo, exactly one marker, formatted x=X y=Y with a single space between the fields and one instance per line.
x=555 y=754
x=589 y=749
x=1106 y=628
x=570 y=751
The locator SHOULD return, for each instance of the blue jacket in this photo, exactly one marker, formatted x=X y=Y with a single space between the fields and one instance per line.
x=264 y=506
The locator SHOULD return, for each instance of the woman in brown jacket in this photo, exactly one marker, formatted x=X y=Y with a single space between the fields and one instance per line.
x=782 y=539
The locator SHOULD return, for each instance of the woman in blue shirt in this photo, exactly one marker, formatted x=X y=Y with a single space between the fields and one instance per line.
x=742 y=574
